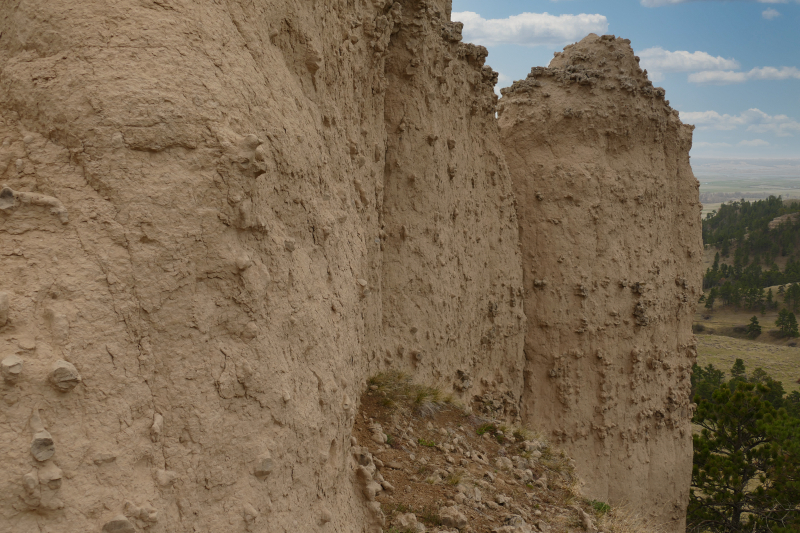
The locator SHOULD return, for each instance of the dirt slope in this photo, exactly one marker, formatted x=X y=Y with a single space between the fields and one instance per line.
x=611 y=241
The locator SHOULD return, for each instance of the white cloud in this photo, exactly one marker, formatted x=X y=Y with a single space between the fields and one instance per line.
x=725 y=77
x=718 y=77
x=754 y=142
x=772 y=73
x=659 y=3
x=530 y=29
x=657 y=61
x=704 y=144
x=770 y=13
x=753 y=120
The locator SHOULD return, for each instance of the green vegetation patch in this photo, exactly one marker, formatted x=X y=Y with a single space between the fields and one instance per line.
x=747 y=454
x=600 y=507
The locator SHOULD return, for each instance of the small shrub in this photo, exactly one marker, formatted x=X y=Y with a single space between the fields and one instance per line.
x=491 y=429
x=522 y=434
x=454 y=479
x=426 y=442
x=698 y=328
x=600 y=507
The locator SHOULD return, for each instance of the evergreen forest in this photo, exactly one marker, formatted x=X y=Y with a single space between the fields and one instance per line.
x=747 y=253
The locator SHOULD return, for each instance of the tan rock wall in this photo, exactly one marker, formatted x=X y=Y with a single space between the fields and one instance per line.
x=452 y=277
x=213 y=212
x=217 y=219
x=611 y=239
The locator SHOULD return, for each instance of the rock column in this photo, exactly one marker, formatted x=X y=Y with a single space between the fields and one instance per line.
x=611 y=239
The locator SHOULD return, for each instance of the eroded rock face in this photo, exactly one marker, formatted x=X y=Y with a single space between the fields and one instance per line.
x=448 y=212
x=226 y=216
x=611 y=238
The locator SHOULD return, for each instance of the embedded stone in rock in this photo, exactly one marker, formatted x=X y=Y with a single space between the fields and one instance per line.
x=64 y=376
x=148 y=513
x=166 y=478
x=155 y=429
x=4 y=306
x=371 y=489
x=119 y=524
x=7 y=198
x=103 y=458
x=30 y=483
x=50 y=475
x=11 y=368
x=250 y=516
x=42 y=447
x=264 y=466
x=325 y=516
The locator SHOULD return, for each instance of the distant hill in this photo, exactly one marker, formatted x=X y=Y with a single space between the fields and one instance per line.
x=750 y=168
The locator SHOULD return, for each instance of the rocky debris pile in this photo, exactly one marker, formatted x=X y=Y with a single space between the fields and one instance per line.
x=445 y=469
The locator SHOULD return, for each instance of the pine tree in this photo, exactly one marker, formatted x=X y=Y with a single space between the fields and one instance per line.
x=792 y=328
x=746 y=475
x=753 y=329
x=738 y=371
x=726 y=248
x=711 y=298
x=787 y=323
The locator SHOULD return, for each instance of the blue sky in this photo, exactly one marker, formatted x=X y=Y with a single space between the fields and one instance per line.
x=732 y=68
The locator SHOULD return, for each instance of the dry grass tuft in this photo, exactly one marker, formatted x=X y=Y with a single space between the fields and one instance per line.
x=626 y=520
x=400 y=392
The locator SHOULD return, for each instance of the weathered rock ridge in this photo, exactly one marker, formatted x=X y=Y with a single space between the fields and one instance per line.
x=610 y=235
x=218 y=219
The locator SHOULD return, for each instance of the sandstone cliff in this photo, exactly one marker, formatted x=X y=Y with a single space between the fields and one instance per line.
x=611 y=239
x=217 y=220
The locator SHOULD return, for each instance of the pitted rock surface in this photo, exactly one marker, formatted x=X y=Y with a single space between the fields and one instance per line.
x=224 y=217
x=610 y=234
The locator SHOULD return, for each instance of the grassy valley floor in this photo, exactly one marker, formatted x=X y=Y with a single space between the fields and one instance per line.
x=780 y=362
